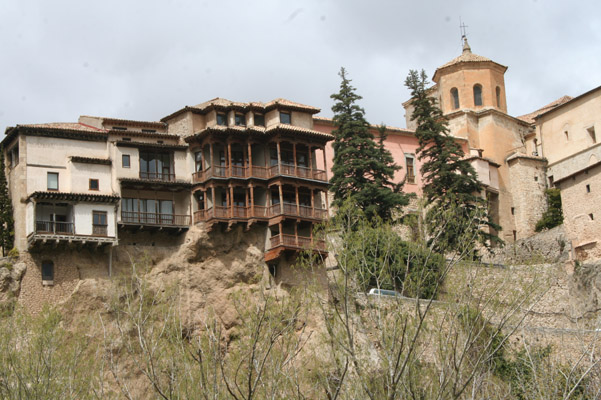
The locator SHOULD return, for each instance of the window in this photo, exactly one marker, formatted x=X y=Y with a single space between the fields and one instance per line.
x=13 y=157
x=149 y=130
x=155 y=166
x=240 y=120
x=198 y=161
x=259 y=120
x=477 y=95
x=126 y=139
x=591 y=133
x=52 y=178
x=221 y=119
x=94 y=185
x=588 y=188
x=410 y=163
x=125 y=161
x=99 y=223
x=119 y=128
x=512 y=210
x=285 y=118
x=47 y=272
x=498 y=92
x=591 y=216
x=567 y=135
x=455 y=97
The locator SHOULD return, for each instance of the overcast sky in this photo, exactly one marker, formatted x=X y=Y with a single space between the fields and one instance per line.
x=146 y=59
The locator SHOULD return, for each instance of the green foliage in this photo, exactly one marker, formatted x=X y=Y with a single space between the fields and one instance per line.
x=554 y=215
x=363 y=169
x=13 y=253
x=450 y=182
x=6 y=210
x=39 y=359
x=378 y=257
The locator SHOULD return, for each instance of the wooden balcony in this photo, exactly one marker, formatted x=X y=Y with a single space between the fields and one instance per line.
x=54 y=232
x=52 y=227
x=283 y=242
x=254 y=171
x=260 y=212
x=154 y=219
x=157 y=176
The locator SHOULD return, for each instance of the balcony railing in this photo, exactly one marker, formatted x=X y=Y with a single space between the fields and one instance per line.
x=100 y=230
x=144 y=218
x=52 y=227
x=157 y=176
x=255 y=171
x=274 y=210
x=297 y=242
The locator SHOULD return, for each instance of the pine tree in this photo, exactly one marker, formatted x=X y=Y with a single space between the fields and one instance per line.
x=6 y=210
x=363 y=169
x=457 y=212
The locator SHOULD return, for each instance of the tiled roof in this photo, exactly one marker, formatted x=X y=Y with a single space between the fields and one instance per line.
x=531 y=116
x=389 y=128
x=119 y=121
x=83 y=197
x=90 y=160
x=466 y=57
x=221 y=103
x=72 y=126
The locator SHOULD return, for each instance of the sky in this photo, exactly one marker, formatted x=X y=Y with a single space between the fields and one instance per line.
x=143 y=60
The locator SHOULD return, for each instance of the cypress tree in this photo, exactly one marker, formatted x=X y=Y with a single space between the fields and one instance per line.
x=457 y=212
x=363 y=169
x=6 y=210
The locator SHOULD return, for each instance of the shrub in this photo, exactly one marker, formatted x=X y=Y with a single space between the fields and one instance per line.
x=553 y=216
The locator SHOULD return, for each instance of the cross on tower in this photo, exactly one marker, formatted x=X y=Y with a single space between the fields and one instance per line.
x=462 y=29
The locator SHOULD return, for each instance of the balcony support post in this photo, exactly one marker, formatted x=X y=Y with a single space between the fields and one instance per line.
x=229 y=156
x=211 y=161
x=325 y=193
x=281 y=233
x=250 y=160
x=325 y=166
x=279 y=157
x=312 y=203
x=294 y=159
x=296 y=234
x=252 y=199
x=231 y=201
x=213 y=198
x=297 y=202
x=281 y=198
x=311 y=162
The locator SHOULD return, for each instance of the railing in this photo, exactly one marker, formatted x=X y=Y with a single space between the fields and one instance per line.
x=239 y=171
x=298 y=242
x=239 y=212
x=100 y=230
x=62 y=228
x=273 y=210
x=143 y=218
x=157 y=176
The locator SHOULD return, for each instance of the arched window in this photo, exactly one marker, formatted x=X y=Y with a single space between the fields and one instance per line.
x=498 y=97
x=455 y=97
x=477 y=95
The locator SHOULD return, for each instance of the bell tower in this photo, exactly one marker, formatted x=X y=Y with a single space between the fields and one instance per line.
x=471 y=82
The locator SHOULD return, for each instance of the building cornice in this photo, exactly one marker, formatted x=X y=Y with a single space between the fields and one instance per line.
x=157 y=146
x=78 y=197
x=90 y=160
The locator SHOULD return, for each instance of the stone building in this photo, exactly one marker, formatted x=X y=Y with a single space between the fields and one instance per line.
x=84 y=191
x=566 y=136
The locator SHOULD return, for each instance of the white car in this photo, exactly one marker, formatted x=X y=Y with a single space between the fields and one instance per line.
x=383 y=292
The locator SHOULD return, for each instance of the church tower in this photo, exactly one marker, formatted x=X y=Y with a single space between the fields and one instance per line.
x=470 y=90
x=471 y=82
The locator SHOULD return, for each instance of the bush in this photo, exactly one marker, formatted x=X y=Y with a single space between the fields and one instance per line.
x=378 y=257
x=553 y=216
x=13 y=253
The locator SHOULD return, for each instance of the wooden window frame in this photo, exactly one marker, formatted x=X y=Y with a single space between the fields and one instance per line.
x=48 y=182
x=97 y=184
x=289 y=114
x=125 y=157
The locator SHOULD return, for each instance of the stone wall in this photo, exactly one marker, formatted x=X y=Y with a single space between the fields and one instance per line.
x=527 y=176
x=547 y=246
